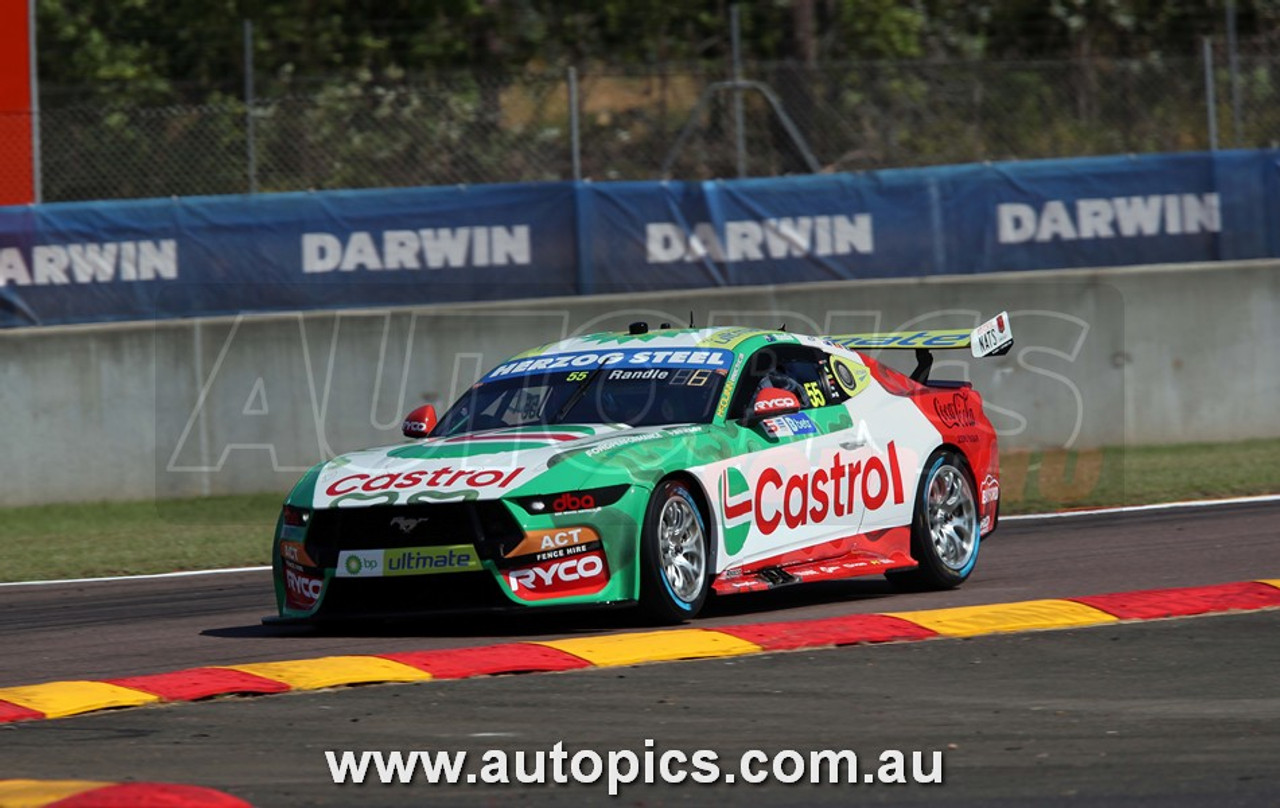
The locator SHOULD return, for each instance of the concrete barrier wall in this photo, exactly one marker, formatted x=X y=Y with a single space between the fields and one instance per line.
x=1130 y=356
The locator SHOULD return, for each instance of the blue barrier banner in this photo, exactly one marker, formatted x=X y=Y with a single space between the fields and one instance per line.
x=82 y=262
x=1102 y=212
x=832 y=227
x=103 y=261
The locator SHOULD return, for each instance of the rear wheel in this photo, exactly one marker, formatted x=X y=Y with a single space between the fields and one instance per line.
x=944 y=530
x=675 y=564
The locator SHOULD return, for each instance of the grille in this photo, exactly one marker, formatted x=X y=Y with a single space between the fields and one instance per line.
x=387 y=597
x=489 y=526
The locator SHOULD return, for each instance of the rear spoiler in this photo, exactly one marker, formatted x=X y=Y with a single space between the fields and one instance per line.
x=992 y=338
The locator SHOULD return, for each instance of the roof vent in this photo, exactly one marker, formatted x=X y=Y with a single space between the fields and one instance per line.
x=638 y=327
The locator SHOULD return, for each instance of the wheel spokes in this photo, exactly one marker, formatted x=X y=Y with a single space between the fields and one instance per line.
x=952 y=515
x=683 y=554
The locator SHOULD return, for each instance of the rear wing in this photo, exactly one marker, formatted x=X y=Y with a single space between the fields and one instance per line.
x=992 y=338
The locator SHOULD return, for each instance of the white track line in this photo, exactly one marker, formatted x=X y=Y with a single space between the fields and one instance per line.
x=1160 y=506
x=185 y=574
x=1026 y=517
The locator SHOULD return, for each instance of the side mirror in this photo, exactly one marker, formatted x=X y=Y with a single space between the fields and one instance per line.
x=420 y=422
x=771 y=402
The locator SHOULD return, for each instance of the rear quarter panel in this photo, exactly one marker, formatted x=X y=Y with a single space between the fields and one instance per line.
x=956 y=411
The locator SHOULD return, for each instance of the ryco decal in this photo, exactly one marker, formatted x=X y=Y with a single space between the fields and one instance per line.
x=580 y=575
x=782 y=401
x=301 y=590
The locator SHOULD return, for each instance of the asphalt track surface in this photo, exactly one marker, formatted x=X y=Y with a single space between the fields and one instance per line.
x=1176 y=712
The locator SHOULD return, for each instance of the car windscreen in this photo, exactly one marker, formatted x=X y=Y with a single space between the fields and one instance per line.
x=636 y=387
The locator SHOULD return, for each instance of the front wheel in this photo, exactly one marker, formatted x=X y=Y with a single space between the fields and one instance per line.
x=674 y=562
x=944 y=530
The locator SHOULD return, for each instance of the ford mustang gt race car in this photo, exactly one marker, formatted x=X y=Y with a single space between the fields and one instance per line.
x=656 y=467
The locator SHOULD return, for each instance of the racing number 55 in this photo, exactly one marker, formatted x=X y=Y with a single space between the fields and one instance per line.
x=814 y=391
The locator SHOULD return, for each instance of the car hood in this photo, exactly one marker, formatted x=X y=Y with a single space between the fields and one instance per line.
x=478 y=465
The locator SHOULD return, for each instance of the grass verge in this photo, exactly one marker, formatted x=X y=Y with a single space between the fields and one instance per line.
x=1036 y=482
x=126 y=538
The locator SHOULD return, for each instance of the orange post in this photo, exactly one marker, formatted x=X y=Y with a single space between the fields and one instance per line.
x=17 y=168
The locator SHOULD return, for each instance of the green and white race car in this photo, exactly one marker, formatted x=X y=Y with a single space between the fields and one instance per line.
x=655 y=467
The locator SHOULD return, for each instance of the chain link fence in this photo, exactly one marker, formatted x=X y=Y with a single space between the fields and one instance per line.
x=467 y=128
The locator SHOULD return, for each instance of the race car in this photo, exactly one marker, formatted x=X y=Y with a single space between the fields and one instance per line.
x=656 y=468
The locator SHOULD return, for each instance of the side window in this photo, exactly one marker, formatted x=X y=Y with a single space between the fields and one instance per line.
x=795 y=368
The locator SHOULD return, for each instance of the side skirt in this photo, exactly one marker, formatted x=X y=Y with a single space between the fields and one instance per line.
x=865 y=554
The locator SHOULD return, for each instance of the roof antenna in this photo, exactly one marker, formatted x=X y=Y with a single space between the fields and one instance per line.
x=782 y=327
x=691 y=318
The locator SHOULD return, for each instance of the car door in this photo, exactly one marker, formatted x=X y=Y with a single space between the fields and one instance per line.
x=796 y=473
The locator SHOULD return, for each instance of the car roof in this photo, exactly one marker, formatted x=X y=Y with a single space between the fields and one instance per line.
x=730 y=337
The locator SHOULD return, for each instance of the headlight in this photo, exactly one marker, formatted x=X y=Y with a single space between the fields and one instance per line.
x=570 y=501
x=296 y=517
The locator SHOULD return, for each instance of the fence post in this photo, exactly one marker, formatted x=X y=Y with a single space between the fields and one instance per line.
x=575 y=144
x=1233 y=59
x=36 y=195
x=1211 y=102
x=250 y=130
x=740 y=136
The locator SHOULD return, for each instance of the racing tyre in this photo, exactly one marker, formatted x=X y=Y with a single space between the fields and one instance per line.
x=944 y=530
x=675 y=565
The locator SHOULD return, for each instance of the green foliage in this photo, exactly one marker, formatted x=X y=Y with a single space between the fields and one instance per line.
x=145 y=98
x=143 y=48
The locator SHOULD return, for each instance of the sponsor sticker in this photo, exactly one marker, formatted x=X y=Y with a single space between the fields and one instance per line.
x=955 y=411
x=948 y=338
x=778 y=400
x=729 y=337
x=583 y=574
x=727 y=394
x=407 y=561
x=364 y=564
x=444 y=477
x=627 y=440
x=544 y=545
x=851 y=376
x=990 y=490
x=776 y=500
x=787 y=425
x=296 y=551
x=623 y=359
x=301 y=591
